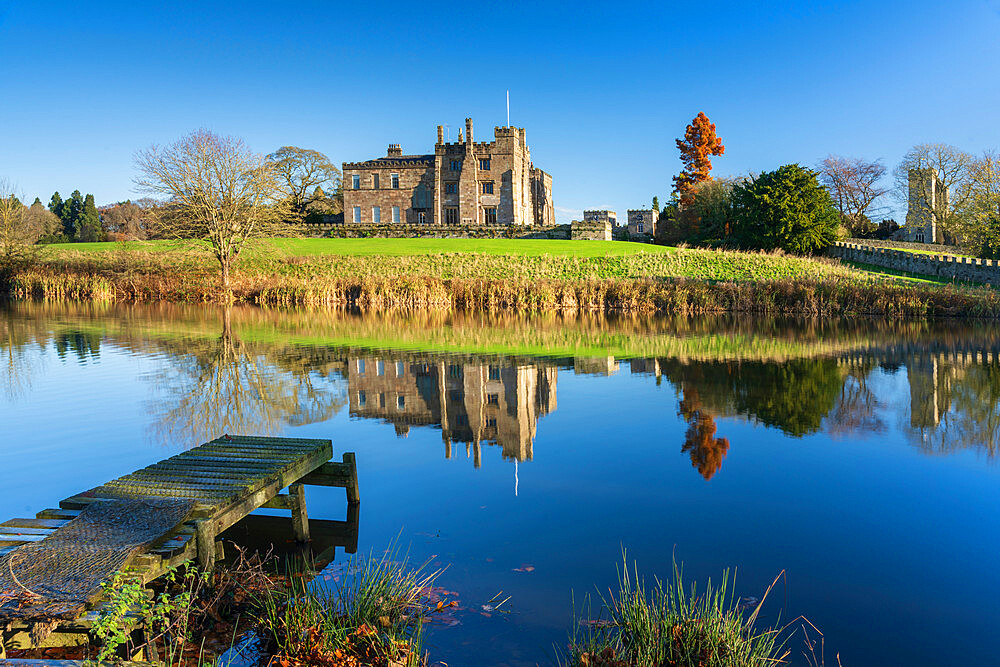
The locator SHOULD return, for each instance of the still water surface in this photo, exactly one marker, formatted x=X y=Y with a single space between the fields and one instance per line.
x=526 y=453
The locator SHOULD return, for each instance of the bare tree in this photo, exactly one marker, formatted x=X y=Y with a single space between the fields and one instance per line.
x=856 y=187
x=218 y=190
x=19 y=229
x=303 y=175
x=952 y=166
x=979 y=219
x=129 y=219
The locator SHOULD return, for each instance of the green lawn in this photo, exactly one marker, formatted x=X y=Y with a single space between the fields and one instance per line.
x=406 y=247
x=926 y=252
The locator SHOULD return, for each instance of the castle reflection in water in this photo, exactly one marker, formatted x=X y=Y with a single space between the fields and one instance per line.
x=485 y=401
x=474 y=403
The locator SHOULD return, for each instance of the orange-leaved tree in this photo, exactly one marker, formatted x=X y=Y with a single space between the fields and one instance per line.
x=697 y=146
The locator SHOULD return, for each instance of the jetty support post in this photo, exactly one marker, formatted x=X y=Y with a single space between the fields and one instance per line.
x=343 y=474
x=300 y=518
x=206 y=544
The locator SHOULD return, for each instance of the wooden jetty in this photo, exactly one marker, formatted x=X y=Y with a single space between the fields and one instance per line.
x=217 y=485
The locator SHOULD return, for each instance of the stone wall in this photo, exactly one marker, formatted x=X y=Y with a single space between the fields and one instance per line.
x=931 y=247
x=591 y=230
x=942 y=266
x=350 y=231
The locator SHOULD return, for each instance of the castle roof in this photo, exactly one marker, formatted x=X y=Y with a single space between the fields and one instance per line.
x=394 y=161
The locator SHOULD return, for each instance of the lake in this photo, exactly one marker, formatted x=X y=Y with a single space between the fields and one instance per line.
x=856 y=459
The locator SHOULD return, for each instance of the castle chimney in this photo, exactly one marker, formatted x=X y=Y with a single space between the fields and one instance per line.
x=440 y=134
x=460 y=139
x=395 y=150
x=468 y=133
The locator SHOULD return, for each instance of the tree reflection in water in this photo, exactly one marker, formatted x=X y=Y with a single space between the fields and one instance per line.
x=491 y=379
x=700 y=443
x=223 y=385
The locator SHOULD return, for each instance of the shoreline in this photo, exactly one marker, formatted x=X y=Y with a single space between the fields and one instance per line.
x=662 y=296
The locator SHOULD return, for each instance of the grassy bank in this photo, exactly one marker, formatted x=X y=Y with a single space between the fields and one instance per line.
x=376 y=274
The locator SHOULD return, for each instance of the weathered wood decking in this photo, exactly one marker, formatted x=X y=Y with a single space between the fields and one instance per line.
x=227 y=478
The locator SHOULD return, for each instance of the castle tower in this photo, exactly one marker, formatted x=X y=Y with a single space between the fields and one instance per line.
x=927 y=206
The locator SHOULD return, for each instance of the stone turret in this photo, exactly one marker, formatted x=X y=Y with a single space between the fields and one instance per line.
x=469 y=141
x=928 y=204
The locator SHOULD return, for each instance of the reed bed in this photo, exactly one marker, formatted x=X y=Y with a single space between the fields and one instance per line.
x=684 y=281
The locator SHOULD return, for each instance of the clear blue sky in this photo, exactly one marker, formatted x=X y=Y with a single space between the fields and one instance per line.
x=603 y=90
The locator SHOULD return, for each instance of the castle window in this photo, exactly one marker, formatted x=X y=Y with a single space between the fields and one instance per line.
x=490 y=216
x=462 y=420
x=639 y=227
x=484 y=163
x=494 y=372
x=401 y=402
x=395 y=214
x=376 y=214
x=381 y=400
x=454 y=371
x=395 y=181
x=361 y=366
x=487 y=187
x=455 y=165
x=375 y=181
x=491 y=423
x=380 y=368
x=421 y=218
x=450 y=188
x=455 y=396
x=357 y=214
x=400 y=369
x=492 y=399
x=451 y=215
x=356 y=181
x=362 y=399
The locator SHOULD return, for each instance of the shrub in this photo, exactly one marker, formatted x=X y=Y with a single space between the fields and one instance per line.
x=787 y=209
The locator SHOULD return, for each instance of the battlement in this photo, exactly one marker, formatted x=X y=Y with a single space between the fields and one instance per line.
x=507 y=131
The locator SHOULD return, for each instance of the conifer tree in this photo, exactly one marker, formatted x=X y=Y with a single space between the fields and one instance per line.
x=89 y=222
x=70 y=214
x=697 y=146
x=56 y=204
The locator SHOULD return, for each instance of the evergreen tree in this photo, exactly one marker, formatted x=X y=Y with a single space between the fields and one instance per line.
x=89 y=222
x=786 y=208
x=56 y=204
x=70 y=215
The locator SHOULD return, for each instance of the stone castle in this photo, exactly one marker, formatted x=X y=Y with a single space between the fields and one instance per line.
x=462 y=183
x=927 y=206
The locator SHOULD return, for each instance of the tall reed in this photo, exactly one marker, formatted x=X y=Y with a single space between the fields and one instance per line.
x=670 y=624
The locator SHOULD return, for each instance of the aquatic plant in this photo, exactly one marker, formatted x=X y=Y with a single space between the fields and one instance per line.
x=370 y=614
x=670 y=624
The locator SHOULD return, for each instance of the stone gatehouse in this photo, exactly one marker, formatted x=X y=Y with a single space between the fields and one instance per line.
x=462 y=183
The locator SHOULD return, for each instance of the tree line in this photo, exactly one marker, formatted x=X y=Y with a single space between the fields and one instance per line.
x=290 y=186
x=802 y=209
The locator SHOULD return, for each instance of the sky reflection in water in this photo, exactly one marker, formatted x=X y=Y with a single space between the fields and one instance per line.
x=526 y=453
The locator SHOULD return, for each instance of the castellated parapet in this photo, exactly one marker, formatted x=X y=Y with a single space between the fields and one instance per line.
x=461 y=183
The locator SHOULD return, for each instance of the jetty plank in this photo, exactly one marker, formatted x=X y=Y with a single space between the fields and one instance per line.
x=226 y=479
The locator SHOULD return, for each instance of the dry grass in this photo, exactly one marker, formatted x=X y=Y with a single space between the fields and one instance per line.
x=679 y=281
